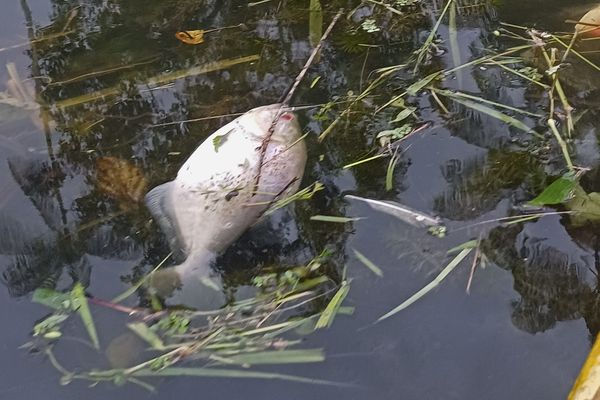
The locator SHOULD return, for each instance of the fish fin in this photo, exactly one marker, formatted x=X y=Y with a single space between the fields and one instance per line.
x=157 y=201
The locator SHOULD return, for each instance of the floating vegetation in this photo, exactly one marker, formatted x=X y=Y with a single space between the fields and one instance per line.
x=229 y=342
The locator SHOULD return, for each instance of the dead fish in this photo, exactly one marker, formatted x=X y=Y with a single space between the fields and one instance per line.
x=406 y=214
x=214 y=197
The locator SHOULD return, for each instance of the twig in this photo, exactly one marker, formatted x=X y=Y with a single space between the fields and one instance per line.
x=474 y=265
x=288 y=97
x=116 y=307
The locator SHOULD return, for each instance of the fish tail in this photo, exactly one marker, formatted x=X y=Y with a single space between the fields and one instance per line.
x=166 y=281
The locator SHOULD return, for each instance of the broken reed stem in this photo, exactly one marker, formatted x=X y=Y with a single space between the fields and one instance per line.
x=288 y=97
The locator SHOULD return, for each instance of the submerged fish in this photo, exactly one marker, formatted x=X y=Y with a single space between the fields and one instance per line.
x=214 y=197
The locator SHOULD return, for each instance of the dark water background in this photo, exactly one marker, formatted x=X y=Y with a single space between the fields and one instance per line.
x=522 y=333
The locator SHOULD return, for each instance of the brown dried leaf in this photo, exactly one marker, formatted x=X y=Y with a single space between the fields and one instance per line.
x=121 y=180
x=191 y=37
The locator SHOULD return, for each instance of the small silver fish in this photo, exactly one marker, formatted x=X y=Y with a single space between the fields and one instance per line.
x=213 y=199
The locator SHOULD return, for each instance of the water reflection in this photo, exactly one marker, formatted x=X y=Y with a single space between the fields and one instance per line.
x=60 y=219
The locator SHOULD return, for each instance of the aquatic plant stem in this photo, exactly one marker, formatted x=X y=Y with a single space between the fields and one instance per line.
x=562 y=143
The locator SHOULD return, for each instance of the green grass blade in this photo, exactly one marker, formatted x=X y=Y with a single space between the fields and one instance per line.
x=433 y=284
x=455 y=95
x=135 y=287
x=413 y=89
x=279 y=357
x=471 y=244
x=507 y=119
x=365 y=160
x=142 y=330
x=84 y=312
x=328 y=315
x=231 y=373
x=332 y=218
x=453 y=39
x=368 y=263
x=389 y=175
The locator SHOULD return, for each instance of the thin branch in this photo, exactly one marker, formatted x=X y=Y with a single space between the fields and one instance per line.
x=288 y=97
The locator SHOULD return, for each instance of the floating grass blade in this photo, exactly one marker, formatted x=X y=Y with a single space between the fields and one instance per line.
x=471 y=244
x=507 y=119
x=328 y=315
x=365 y=160
x=368 y=263
x=429 y=41
x=448 y=93
x=453 y=38
x=231 y=373
x=142 y=330
x=389 y=175
x=332 y=218
x=414 y=89
x=84 y=312
x=135 y=287
x=433 y=284
x=279 y=357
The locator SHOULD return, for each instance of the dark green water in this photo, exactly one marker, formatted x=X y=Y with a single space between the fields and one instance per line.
x=522 y=333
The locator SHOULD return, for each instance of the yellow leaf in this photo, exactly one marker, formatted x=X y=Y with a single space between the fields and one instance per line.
x=587 y=385
x=191 y=37
x=589 y=25
x=121 y=180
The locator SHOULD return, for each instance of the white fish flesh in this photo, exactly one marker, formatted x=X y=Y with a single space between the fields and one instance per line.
x=214 y=197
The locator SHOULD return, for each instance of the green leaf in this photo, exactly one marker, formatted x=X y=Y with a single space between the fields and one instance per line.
x=558 y=192
x=328 y=315
x=429 y=287
x=402 y=115
x=217 y=140
x=368 y=263
x=147 y=334
x=315 y=81
x=78 y=295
